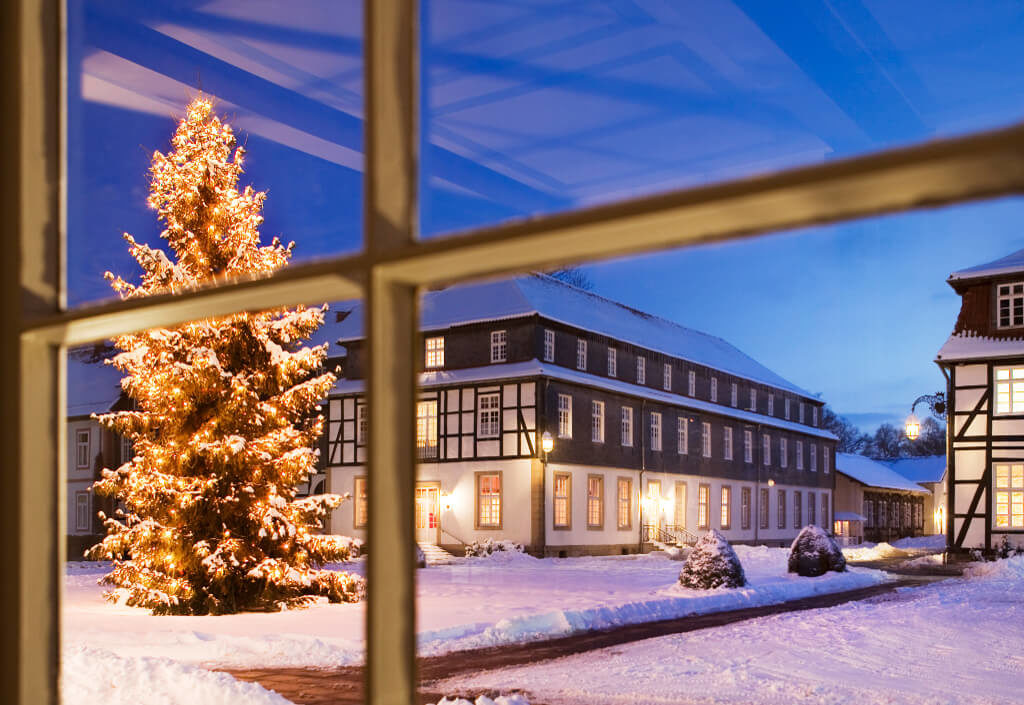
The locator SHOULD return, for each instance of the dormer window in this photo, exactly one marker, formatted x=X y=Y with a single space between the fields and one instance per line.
x=499 y=346
x=612 y=362
x=435 y=353
x=1010 y=305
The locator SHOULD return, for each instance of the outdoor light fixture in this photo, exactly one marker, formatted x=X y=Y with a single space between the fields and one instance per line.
x=913 y=427
x=771 y=482
x=547 y=443
x=936 y=404
x=446 y=502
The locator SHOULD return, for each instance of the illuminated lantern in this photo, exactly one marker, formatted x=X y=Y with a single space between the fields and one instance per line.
x=547 y=443
x=913 y=428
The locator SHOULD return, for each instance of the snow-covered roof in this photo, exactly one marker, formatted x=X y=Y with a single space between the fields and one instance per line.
x=873 y=473
x=849 y=516
x=969 y=346
x=1004 y=265
x=93 y=387
x=533 y=368
x=564 y=303
x=927 y=468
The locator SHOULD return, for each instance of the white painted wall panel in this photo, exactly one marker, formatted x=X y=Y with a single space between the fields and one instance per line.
x=971 y=374
x=970 y=464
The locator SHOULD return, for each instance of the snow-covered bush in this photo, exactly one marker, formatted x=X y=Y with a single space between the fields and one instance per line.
x=814 y=552
x=481 y=549
x=711 y=564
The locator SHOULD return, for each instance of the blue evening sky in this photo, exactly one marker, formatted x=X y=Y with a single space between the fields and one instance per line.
x=536 y=106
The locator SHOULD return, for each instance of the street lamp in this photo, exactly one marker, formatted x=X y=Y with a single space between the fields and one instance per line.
x=547 y=444
x=913 y=427
x=936 y=405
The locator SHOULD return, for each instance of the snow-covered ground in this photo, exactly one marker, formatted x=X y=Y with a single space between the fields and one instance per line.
x=908 y=547
x=957 y=642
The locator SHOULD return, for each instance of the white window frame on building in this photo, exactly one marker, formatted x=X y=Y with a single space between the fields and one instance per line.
x=83 y=448
x=783 y=452
x=597 y=421
x=1008 y=493
x=787 y=404
x=753 y=399
x=655 y=430
x=745 y=503
x=734 y=395
x=641 y=369
x=362 y=423
x=426 y=428
x=814 y=416
x=488 y=414
x=1009 y=389
x=802 y=415
x=666 y=377
x=565 y=416
x=627 y=427
x=595 y=501
x=781 y=509
x=434 y=352
x=561 y=500
x=771 y=404
x=764 y=508
x=82 y=511
x=683 y=435
x=727 y=442
x=814 y=457
x=499 y=346
x=705 y=439
x=624 y=503
x=799 y=455
x=703 y=506
x=691 y=383
x=1010 y=305
x=581 y=354
x=613 y=362
x=714 y=389
x=389 y=272
x=549 y=345
x=725 y=517
x=748 y=445
x=489 y=500
x=766 y=448
x=826 y=460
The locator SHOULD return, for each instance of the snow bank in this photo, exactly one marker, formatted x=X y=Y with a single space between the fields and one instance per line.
x=933 y=542
x=97 y=677
x=484 y=700
x=873 y=552
x=1004 y=569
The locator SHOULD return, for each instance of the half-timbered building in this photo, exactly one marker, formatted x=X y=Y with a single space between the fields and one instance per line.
x=983 y=361
x=659 y=431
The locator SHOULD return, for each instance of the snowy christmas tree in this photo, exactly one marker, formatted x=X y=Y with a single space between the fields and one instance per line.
x=225 y=415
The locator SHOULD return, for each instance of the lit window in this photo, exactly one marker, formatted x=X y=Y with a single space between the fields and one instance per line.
x=435 y=353
x=1010 y=305
x=726 y=507
x=499 y=346
x=613 y=362
x=549 y=345
x=797 y=508
x=361 y=510
x=426 y=428
x=714 y=389
x=641 y=370
x=1009 y=390
x=488 y=415
x=782 y=509
x=734 y=394
x=683 y=436
x=361 y=424
x=762 y=509
x=766 y=449
x=564 y=416
x=771 y=405
x=595 y=501
x=703 y=506
x=627 y=426
x=753 y=400
x=748 y=446
x=666 y=377
x=1009 y=491
x=744 y=508
x=706 y=439
x=597 y=421
x=581 y=354
x=691 y=383
x=814 y=458
x=562 y=507
x=625 y=513
x=799 y=455
x=727 y=443
x=488 y=500
x=655 y=431
x=82 y=451
x=783 y=452
x=82 y=511
x=810 y=508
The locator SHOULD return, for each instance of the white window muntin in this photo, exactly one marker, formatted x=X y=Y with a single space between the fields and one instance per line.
x=499 y=346
x=766 y=449
x=597 y=421
x=799 y=455
x=488 y=415
x=814 y=458
x=627 y=426
x=691 y=383
x=783 y=452
x=426 y=428
x=1008 y=481
x=753 y=399
x=714 y=389
x=564 y=416
x=362 y=421
x=613 y=362
x=82 y=513
x=82 y=448
x=666 y=377
x=787 y=407
x=655 y=430
x=434 y=353
x=1010 y=305
x=771 y=405
x=748 y=446
x=549 y=345
x=1009 y=390
x=581 y=354
x=641 y=369
x=727 y=442
x=705 y=439
x=734 y=394
x=683 y=436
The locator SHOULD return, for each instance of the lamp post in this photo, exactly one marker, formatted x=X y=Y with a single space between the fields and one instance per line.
x=936 y=405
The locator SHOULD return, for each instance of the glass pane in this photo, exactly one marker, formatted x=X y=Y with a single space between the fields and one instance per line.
x=286 y=76
x=535 y=107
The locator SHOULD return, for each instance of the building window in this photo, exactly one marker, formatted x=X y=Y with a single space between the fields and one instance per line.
x=82 y=451
x=1009 y=493
x=799 y=455
x=882 y=515
x=824 y=510
x=826 y=460
x=666 y=377
x=426 y=428
x=581 y=354
x=595 y=501
x=1009 y=390
x=627 y=426
x=798 y=499
x=361 y=509
x=744 y=508
x=126 y=449
x=625 y=503
x=714 y=389
x=597 y=421
x=683 y=435
x=549 y=345
x=488 y=415
x=814 y=458
x=727 y=442
x=361 y=424
x=786 y=405
x=499 y=346
x=766 y=449
x=726 y=507
x=1010 y=304
x=562 y=489
x=814 y=416
x=782 y=509
x=691 y=383
x=783 y=452
x=753 y=400
x=82 y=511
x=641 y=370
x=488 y=500
x=762 y=509
x=703 y=506
x=771 y=405
x=705 y=439
x=748 y=446
x=564 y=416
x=655 y=430
x=613 y=362
x=435 y=353
x=810 y=507
x=734 y=394
x=802 y=412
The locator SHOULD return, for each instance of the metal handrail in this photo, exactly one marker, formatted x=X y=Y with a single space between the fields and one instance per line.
x=445 y=531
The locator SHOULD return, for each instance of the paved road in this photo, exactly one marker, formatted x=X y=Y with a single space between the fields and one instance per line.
x=344 y=686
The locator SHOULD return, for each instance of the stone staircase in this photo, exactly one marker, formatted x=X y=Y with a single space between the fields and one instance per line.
x=436 y=555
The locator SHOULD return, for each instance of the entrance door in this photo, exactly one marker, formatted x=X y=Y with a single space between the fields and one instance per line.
x=427 y=513
x=680 y=507
x=654 y=498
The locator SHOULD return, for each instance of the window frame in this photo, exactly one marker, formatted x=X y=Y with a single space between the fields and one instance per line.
x=766 y=449
x=83 y=448
x=433 y=359
x=748 y=446
x=780 y=510
x=565 y=415
x=764 y=509
x=745 y=502
x=691 y=383
x=725 y=516
x=565 y=498
x=499 y=346
x=641 y=370
x=581 y=354
x=83 y=510
x=656 y=431
x=626 y=427
x=596 y=421
x=478 y=503
x=1012 y=381
x=423 y=421
x=1010 y=297
x=1013 y=488
x=683 y=435
x=798 y=503
x=713 y=394
x=488 y=418
x=360 y=502
x=598 y=498
x=549 y=345
x=628 y=499
x=703 y=506
x=705 y=439
x=613 y=362
x=727 y=443
x=666 y=376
